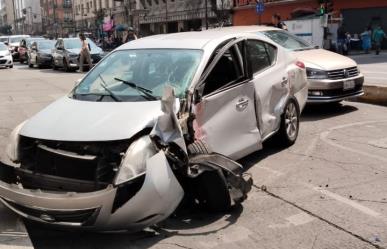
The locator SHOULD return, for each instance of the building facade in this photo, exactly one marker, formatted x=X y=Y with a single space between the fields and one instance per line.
x=356 y=14
x=28 y=17
x=7 y=13
x=168 y=16
x=57 y=17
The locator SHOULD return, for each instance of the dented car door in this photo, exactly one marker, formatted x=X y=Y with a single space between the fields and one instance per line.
x=226 y=110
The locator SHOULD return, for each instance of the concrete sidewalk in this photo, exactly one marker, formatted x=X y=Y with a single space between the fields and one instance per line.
x=374 y=68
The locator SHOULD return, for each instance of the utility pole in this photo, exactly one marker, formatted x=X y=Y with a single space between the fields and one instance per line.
x=206 y=14
x=166 y=16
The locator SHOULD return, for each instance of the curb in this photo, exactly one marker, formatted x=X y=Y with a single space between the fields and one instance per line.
x=374 y=95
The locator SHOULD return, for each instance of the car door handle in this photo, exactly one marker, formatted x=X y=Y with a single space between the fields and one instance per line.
x=242 y=104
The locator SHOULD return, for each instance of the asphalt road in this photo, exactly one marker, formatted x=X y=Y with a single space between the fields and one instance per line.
x=329 y=190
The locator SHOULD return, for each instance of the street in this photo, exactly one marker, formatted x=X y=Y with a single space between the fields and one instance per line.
x=329 y=190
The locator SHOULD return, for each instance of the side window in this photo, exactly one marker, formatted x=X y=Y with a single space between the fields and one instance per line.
x=261 y=55
x=227 y=71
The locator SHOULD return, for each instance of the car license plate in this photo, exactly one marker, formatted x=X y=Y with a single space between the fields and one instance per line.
x=349 y=84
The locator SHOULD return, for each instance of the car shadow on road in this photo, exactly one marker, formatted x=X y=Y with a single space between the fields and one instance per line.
x=187 y=223
x=316 y=112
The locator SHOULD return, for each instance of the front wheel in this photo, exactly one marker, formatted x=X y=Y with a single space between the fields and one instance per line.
x=290 y=124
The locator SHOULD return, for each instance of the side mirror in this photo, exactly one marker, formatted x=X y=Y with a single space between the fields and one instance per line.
x=6 y=43
x=60 y=48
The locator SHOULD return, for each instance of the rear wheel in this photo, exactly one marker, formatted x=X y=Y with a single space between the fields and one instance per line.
x=290 y=124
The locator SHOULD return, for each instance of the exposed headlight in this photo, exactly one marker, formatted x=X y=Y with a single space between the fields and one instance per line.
x=13 y=144
x=134 y=162
x=316 y=73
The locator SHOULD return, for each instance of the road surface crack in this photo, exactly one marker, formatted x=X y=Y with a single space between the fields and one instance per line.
x=359 y=237
x=175 y=244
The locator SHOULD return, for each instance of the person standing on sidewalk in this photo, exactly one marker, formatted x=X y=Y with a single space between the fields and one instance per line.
x=366 y=40
x=85 y=53
x=129 y=36
x=378 y=37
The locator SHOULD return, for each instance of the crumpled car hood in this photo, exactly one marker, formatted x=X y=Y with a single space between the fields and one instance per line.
x=324 y=59
x=73 y=120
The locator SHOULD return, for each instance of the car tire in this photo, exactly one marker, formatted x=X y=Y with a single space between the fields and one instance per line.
x=11 y=66
x=212 y=192
x=290 y=124
x=198 y=147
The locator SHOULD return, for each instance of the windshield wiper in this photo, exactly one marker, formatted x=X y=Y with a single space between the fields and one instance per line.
x=147 y=93
x=111 y=93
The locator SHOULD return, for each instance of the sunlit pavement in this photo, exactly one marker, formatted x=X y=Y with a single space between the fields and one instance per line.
x=329 y=190
x=374 y=67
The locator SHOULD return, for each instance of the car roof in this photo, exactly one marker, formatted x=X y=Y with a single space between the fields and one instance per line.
x=251 y=28
x=187 y=40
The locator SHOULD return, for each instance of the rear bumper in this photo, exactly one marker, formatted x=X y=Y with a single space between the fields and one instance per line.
x=333 y=90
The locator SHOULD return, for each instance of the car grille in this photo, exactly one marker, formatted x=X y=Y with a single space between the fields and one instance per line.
x=343 y=73
x=340 y=92
x=84 y=217
x=3 y=61
x=90 y=164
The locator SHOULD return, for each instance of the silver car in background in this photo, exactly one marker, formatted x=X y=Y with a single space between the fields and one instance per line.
x=158 y=119
x=332 y=77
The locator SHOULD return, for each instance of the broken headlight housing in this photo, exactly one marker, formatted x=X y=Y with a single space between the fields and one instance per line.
x=313 y=73
x=134 y=162
x=13 y=144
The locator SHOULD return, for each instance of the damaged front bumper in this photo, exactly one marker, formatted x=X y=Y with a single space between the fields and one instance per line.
x=107 y=209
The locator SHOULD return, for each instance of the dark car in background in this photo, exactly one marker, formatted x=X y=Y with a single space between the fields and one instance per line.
x=25 y=46
x=40 y=53
x=66 y=53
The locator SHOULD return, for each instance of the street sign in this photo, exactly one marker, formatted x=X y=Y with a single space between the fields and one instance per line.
x=260 y=7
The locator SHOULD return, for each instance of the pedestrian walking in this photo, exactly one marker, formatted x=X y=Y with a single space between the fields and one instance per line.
x=276 y=22
x=366 y=40
x=341 y=40
x=129 y=36
x=85 y=53
x=378 y=37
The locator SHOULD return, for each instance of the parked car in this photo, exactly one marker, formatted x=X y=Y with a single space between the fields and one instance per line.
x=4 y=39
x=14 y=43
x=24 y=48
x=5 y=56
x=40 y=54
x=332 y=77
x=67 y=50
x=158 y=118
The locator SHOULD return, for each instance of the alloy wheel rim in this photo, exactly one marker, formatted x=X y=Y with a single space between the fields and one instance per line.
x=291 y=121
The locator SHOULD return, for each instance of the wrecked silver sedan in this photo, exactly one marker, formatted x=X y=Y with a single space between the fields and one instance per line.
x=158 y=119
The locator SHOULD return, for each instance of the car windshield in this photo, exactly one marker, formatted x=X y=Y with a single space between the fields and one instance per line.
x=15 y=39
x=75 y=43
x=150 y=69
x=288 y=40
x=4 y=39
x=3 y=47
x=46 y=44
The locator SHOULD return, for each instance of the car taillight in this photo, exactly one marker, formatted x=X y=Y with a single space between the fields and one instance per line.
x=300 y=64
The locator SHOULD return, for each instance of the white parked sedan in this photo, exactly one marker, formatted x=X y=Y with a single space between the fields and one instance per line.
x=332 y=77
x=5 y=56
x=111 y=155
